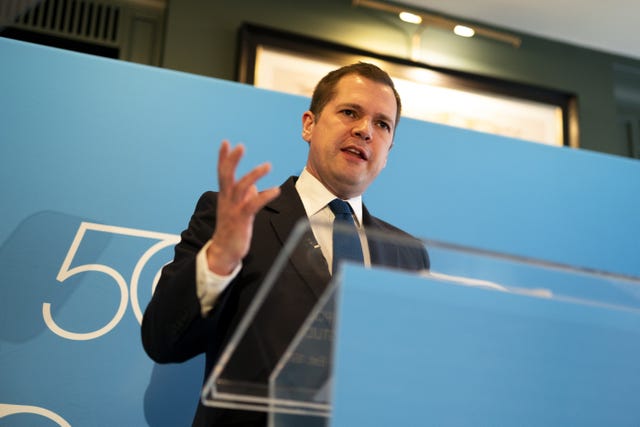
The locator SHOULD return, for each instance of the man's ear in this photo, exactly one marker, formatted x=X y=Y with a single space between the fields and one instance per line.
x=308 y=122
x=385 y=160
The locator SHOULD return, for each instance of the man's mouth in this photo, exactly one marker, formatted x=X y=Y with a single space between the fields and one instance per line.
x=356 y=152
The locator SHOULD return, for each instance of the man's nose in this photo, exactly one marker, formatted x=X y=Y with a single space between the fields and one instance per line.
x=363 y=129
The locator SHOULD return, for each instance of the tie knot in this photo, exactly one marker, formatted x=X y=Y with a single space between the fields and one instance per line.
x=339 y=207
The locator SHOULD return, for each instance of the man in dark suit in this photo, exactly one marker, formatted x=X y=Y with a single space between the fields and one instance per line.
x=236 y=234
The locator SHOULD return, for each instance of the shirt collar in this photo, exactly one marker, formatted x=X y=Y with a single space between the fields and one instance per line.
x=315 y=196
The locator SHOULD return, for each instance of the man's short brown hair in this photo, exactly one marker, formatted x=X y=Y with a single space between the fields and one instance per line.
x=326 y=88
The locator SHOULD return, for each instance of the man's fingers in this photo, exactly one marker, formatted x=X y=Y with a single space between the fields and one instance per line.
x=243 y=191
x=223 y=152
x=224 y=149
x=262 y=198
x=245 y=183
x=228 y=160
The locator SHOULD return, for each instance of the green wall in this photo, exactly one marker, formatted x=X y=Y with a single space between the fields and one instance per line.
x=201 y=38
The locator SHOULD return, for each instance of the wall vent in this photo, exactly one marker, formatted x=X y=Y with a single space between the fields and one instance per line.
x=85 y=20
x=131 y=30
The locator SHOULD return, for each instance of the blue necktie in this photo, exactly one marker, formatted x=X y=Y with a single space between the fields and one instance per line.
x=346 y=241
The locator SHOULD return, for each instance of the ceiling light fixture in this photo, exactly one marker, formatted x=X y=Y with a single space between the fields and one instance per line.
x=463 y=31
x=427 y=19
x=411 y=18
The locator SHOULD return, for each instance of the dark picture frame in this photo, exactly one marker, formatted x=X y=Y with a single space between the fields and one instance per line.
x=257 y=44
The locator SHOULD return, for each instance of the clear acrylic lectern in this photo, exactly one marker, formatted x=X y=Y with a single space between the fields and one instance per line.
x=300 y=387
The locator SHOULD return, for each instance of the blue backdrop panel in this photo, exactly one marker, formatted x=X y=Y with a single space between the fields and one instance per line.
x=102 y=162
x=558 y=204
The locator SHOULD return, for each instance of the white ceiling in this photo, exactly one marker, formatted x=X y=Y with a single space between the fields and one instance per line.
x=603 y=25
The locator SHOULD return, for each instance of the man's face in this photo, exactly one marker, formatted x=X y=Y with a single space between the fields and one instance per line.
x=350 y=139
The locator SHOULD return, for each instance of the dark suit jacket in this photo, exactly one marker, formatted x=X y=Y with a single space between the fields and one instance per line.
x=173 y=329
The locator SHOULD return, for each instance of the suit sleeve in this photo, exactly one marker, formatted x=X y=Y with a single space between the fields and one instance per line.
x=173 y=329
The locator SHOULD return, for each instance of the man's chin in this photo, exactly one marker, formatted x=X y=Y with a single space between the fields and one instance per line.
x=350 y=187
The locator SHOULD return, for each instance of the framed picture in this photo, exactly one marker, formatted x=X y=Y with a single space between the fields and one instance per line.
x=291 y=63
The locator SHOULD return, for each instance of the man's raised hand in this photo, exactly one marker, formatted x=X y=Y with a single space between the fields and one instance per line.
x=238 y=202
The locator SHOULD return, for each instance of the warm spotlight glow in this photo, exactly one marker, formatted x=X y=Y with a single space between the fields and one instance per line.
x=463 y=31
x=411 y=18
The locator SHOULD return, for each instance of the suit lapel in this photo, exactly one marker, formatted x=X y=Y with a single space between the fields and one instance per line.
x=306 y=257
x=381 y=252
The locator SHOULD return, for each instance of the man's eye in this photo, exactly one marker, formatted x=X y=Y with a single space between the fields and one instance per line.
x=384 y=125
x=349 y=113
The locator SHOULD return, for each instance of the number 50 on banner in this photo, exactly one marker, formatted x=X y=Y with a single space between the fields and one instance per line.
x=128 y=291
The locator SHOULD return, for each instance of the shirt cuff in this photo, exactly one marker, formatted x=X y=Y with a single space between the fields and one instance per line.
x=210 y=285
